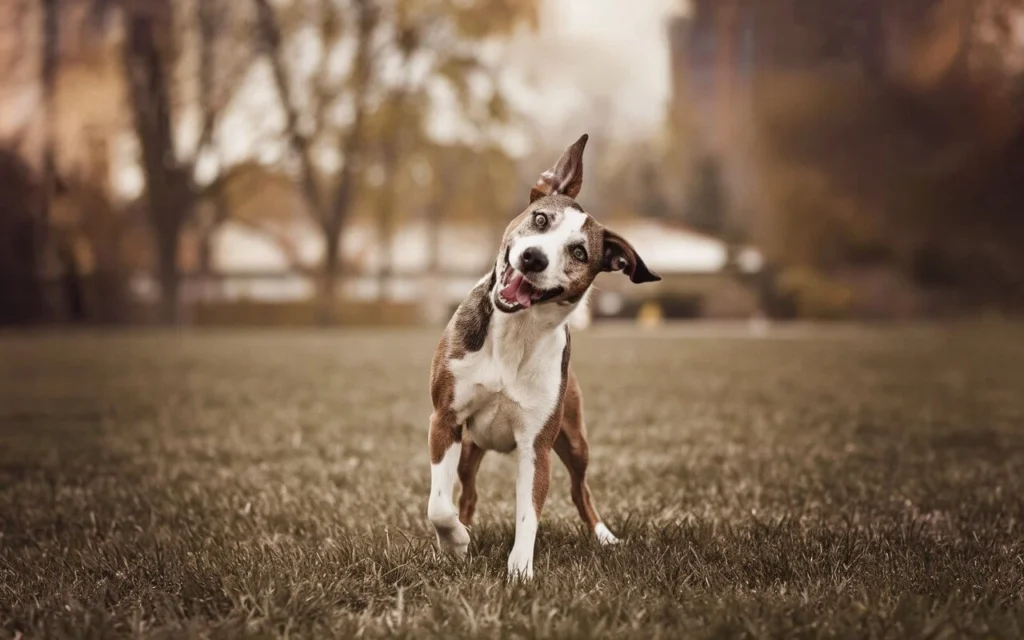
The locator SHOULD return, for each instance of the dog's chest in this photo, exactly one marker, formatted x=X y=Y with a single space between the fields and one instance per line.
x=503 y=397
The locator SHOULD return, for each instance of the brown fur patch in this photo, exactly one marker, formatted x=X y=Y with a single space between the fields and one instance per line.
x=444 y=430
x=620 y=254
x=546 y=438
x=566 y=176
x=541 y=478
x=469 y=464
x=581 y=274
x=572 y=416
x=571 y=446
x=473 y=320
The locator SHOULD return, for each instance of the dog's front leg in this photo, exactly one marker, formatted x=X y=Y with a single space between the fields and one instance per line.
x=445 y=451
x=531 y=491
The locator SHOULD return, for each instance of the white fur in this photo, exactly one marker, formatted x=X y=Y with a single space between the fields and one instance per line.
x=520 y=560
x=509 y=388
x=451 y=533
x=566 y=228
x=604 y=536
x=580 y=317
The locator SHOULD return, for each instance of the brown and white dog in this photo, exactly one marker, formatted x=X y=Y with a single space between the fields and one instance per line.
x=501 y=379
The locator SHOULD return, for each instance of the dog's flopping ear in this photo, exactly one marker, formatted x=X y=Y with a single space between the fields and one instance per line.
x=566 y=177
x=619 y=255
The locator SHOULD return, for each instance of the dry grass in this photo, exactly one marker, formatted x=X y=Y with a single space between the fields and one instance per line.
x=859 y=483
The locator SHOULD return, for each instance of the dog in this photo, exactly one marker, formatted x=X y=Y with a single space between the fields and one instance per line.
x=500 y=378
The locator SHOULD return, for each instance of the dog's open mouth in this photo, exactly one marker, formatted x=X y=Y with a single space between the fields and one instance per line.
x=517 y=292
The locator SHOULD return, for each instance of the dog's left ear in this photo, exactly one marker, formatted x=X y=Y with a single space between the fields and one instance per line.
x=619 y=255
x=566 y=177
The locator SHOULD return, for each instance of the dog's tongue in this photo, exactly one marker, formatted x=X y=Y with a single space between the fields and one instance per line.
x=519 y=290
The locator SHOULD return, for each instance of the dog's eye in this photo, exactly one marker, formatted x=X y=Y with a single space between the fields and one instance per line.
x=579 y=253
x=541 y=220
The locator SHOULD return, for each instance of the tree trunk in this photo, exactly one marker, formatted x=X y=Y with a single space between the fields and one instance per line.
x=21 y=294
x=169 y=277
x=386 y=212
x=169 y=192
x=330 y=212
x=205 y=261
x=385 y=236
x=434 y=219
x=434 y=307
x=327 y=295
x=71 y=283
x=51 y=43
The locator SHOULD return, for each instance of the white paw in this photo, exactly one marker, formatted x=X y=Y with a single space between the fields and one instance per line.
x=520 y=566
x=452 y=535
x=604 y=536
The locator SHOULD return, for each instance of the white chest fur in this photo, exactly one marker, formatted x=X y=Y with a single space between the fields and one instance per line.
x=506 y=391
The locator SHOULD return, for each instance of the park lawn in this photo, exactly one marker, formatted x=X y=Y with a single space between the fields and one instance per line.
x=820 y=482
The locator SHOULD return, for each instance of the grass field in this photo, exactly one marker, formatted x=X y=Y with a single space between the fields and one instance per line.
x=822 y=482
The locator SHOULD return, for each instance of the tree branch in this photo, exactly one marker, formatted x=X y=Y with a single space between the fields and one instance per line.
x=225 y=211
x=270 y=32
x=322 y=89
x=281 y=241
x=368 y=17
x=207 y=35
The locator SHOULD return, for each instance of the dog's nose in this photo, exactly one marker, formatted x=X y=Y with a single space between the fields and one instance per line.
x=533 y=260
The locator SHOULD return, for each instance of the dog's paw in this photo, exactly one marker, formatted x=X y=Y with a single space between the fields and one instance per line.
x=520 y=566
x=452 y=535
x=604 y=536
x=454 y=539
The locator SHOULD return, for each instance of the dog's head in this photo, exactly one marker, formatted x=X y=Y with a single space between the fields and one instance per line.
x=553 y=250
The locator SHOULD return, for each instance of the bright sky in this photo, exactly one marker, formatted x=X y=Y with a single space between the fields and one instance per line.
x=598 y=66
x=601 y=65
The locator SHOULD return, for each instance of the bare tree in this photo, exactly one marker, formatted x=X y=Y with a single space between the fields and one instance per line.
x=330 y=120
x=171 y=191
x=391 y=147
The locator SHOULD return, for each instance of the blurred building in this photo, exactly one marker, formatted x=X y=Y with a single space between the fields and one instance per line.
x=729 y=57
x=719 y=47
x=712 y=58
x=711 y=52
x=723 y=52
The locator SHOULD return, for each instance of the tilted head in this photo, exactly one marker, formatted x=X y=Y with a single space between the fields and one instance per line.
x=553 y=250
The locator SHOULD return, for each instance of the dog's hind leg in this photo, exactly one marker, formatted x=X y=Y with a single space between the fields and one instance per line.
x=574 y=456
x=469 y=464
x=445 y=451
x=571 y=447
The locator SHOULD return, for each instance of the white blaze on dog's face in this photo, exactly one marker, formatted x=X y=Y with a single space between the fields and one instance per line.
x=553 y=251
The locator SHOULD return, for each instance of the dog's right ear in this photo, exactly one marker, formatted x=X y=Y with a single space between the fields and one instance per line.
x=566 y=177
x=619 y=255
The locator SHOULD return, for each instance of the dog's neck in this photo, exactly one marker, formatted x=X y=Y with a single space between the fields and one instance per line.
x=519 y=334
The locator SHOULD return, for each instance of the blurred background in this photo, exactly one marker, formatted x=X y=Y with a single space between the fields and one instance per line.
x=301 y=162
